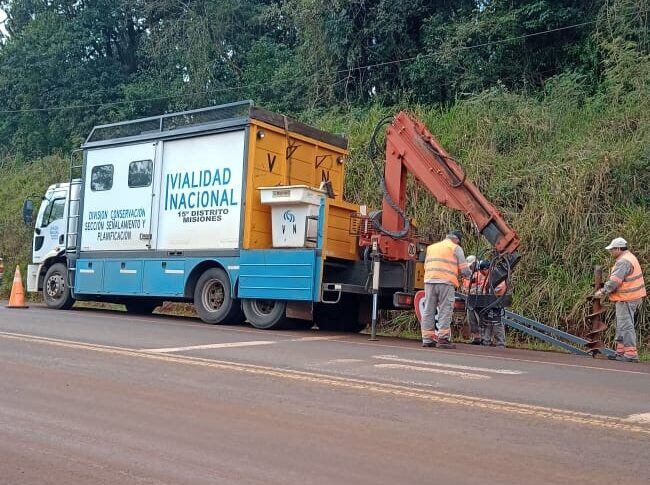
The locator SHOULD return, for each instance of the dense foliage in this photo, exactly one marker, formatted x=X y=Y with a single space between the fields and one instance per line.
x=544 y=101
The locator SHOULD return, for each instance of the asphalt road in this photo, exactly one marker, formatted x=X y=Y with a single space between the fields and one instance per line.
x=91 y=396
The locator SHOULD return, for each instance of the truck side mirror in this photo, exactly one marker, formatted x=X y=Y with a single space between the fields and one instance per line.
x=28 y=212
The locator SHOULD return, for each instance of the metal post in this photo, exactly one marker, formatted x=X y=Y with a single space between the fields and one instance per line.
x=375 y=287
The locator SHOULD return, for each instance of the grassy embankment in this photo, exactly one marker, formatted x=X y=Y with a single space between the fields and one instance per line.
x=570 y=170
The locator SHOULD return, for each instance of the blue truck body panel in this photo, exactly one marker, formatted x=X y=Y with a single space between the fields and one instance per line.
x=164 y=277
x=267 y=274
x=278 y=274
x=143 y=277
x=89 y=276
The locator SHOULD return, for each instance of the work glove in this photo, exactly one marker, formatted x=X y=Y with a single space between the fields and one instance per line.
x=600 y=294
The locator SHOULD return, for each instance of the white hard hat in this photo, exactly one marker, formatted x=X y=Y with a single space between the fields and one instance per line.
x=471 y=259
x=618 y=242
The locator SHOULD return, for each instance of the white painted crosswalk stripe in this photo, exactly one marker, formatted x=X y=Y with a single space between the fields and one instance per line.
x=394 y=358
x=433 y=370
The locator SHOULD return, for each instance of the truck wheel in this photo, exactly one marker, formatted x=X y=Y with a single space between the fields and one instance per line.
x=213 y=299
x=265 y=314
x=340 y=317
x=56 y=291
x=141 y=307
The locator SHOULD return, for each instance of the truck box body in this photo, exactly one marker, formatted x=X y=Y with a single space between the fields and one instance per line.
x=163 y=198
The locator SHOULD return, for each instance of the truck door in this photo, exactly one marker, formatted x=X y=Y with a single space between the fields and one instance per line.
x=118 y=193
x=49 y=232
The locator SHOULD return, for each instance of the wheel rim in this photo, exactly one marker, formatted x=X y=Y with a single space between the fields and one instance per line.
x=55 y=286
x=213 y=295
x=263 y=308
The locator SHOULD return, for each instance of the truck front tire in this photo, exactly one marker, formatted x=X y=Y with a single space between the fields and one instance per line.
x=56 y=290
x=265 y=314
x=213 y=299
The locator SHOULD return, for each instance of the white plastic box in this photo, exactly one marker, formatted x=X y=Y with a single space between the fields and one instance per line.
x=291 y=206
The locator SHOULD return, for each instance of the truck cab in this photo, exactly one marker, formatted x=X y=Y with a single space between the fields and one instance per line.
x=48 y=271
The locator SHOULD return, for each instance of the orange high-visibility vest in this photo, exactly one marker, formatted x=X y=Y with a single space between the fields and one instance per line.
x=441 y=262
x=632 y=287
x=474 y=284
x=483 y=283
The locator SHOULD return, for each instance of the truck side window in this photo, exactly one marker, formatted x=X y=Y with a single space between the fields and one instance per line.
x=140 y=173
x=101 y=178
x=53 y=212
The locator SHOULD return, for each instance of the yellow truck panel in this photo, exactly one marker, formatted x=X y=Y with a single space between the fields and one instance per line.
x=278 y=155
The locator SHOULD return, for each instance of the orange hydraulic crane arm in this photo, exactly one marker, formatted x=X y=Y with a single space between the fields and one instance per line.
x=410 y=148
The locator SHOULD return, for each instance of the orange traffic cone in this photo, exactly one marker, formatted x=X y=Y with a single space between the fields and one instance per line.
x=17 y=298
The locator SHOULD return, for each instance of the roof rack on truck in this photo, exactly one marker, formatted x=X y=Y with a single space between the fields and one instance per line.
x=220 y=117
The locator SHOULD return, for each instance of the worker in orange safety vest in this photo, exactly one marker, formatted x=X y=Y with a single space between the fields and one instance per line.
x=444 y=263
x=626 y=288
x=483 y=327
x=493 y=331
x=470 y=286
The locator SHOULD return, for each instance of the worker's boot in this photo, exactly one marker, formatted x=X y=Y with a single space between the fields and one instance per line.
x=623 y=358
x=445 y=343
x=430 y=343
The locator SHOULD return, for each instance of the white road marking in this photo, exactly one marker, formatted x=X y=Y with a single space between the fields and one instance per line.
x=381 y=388
x=484 y=356
x=226 y=345
x=229 y=345
x=462 y=375
x=639 y=418
x=310 y=339
x=176 y=321
x=394 y=358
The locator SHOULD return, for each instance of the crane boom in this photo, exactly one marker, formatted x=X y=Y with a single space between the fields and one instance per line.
x=411 y=148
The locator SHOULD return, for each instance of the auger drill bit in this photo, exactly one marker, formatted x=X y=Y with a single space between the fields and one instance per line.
x=595 y=335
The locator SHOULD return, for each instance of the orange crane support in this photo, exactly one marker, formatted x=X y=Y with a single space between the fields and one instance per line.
x=411 y=148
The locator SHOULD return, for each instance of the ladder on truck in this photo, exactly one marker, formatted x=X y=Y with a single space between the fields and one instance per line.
x=75 y=179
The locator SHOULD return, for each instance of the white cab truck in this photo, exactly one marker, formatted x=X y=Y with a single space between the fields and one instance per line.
x=49 y=271
x=184 y=206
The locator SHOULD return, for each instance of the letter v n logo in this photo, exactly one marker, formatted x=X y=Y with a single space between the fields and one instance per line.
x=271 y=161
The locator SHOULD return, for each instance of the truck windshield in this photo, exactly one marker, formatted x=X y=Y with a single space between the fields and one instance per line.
x=53 y=211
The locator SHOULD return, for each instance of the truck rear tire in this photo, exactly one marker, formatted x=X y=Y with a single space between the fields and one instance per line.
x=213 y=299
x=56 y=290
x=141 y=307
x=265 y=314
